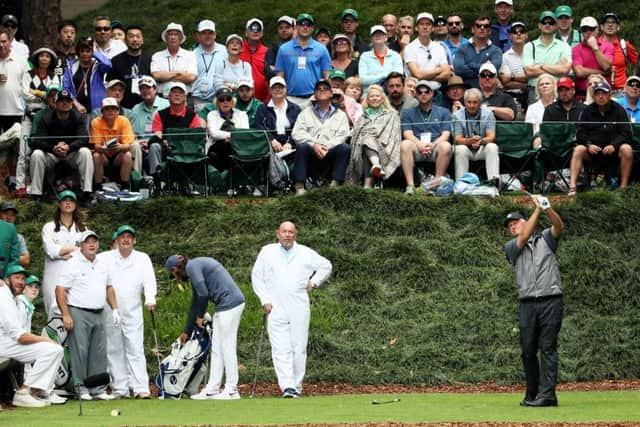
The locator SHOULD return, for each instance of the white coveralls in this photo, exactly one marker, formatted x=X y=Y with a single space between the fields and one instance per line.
x=43 y=356
x=130 y=277
x=54 y=264
x=280 y=278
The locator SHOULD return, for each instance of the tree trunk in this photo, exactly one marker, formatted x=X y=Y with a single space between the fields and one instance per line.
x=39 y=21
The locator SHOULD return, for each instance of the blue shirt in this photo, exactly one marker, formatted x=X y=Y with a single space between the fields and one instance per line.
x=302 y=67
x=468 y=126
x=453 y=48
x=467 y=61
x=143 y=116
x=419 y=121
x=203 y=87
x=634 y=113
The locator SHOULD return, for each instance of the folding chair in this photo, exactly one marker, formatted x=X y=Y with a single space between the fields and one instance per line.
x=251 y=150
x=186 y=164
x=515 y=144
x=558 y=141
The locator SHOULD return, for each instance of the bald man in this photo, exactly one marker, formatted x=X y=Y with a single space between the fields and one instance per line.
x=283 y=276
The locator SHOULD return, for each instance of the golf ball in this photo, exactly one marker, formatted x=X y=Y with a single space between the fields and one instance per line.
x=115 y=412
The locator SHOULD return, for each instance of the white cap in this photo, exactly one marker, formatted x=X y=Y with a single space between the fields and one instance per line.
x=207 y=25
x=109 y=102
x=287 y=19
x=147 y=81
x=173 y=27
x=509 y=2
x=86 y=234
x=244 y=81
x=377 y=28
x=588 y=21
x=232 y=37
x=424 y=15
x=253 y=21
x=433 y=85
x=172 y=85
x=112 y=83
x=277 y=80
x=488 y=66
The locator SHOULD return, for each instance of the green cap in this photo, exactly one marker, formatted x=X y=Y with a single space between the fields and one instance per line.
x=14 y=269
x=306 y=16
x=51 y=88
x=67 y=193
x=351 y=12
x=33 y=279
x=337 y=74
x=114 y=236
x=547 y=14
x=125 y=229
x=564 y=10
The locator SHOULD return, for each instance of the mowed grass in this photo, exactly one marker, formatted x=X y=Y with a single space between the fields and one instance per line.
x=412 y=408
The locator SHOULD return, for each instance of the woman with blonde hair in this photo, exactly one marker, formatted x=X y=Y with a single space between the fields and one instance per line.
x=342 y=55
x=545 y=95
x=591 y=80
x=376 y=140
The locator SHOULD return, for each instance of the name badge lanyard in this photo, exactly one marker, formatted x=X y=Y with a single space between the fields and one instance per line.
x=475 y=129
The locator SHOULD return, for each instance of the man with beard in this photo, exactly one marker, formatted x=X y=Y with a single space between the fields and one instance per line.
x=394 y=87
x=130 y=65
x=454 y=38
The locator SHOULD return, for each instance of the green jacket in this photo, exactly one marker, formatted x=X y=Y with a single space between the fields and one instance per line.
x=9 y=245
x=251 y=108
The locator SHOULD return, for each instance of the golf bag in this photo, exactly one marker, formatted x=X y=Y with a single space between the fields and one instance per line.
x=55 y=330
x=185 y=368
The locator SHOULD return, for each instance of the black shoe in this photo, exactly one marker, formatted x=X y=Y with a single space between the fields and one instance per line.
x=86 y=199
x=541 y=401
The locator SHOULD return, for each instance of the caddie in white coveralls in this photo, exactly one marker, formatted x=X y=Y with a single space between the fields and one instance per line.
x=131 y=274
x=282 y=277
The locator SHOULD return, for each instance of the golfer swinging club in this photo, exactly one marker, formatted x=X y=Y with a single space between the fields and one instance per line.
x=283 y=276
x=211 y=281
x=540 y=294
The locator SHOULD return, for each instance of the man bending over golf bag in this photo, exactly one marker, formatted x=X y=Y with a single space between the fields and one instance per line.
x=211 y=281
x=283 y=276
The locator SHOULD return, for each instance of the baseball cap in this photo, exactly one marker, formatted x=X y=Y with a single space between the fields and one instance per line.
x=518 y=24
x=147 y=81
x=114 y=236
x=171 y=262
x=125 y=229
x=254 y=25
x=610 y=15
x=428 y=83
x=114 y=82
x=488 y=66
x=173 y=27
x=109 y=102
x=286 y=19
x=54 y=87
x=14 y=269
x=8 y=206
x=378 y=28
x=513 y=216
x=232 y=37
x=62 y=95
x=85 y=42
x=337 y=74
x=277 y=80
x=509 y=2
x=8 y=18
x=32 y=279
x=424 y=15
x=324 y=30
x=440 y=20
x=603 y=86
x=206 y=25
x=636 y=78
x=340 y=36
x=86 y=234
x=305 y=16
x=565 y=82
x=224 y=91
x=588 y=21
x=564 y=10
x=321 y=82
x=352 y=12
x=67 y=193
x=243 y=81
x=179 y=85
x=546 y=14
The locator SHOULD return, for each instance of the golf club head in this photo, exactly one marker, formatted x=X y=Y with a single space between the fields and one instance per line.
x=385 y=402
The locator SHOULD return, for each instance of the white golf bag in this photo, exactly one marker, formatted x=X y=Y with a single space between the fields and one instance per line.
x=55 y=330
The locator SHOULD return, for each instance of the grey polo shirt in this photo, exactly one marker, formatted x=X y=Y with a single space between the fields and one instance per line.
x=537 y=271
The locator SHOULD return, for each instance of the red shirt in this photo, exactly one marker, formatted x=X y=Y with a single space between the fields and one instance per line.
x=156 y=126
x=619 y=66
x=256 y=59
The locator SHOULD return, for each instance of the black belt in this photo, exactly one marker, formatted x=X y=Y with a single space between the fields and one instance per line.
x=90 y=310
x=302 y=96
x=540 y=299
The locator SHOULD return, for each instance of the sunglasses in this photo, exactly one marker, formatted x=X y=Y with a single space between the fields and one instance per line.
x=482 y=26
x=487 y=75
x=454 y=23
x=225 y=99
x=634 y=83
x=102 y=29
x=587 y=29
x=548 y=22
x=423 y=91
x=9 y=25
x=518 y=32
x=305 y=24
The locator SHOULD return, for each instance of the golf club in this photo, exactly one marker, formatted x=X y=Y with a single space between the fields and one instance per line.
x=155 y=338
x=385 y=402
x=260 y=339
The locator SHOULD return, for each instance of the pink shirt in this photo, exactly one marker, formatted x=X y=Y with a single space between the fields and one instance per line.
x=583 y=55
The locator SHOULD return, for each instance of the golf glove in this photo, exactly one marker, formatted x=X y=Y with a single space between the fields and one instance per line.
x=116 y=317
x=544 y=202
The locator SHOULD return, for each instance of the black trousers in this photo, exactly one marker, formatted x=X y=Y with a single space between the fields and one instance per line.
x=540 y=323
x=7 y=121
x=306 y=164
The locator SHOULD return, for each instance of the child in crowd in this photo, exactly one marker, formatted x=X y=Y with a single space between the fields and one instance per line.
x=353 y=88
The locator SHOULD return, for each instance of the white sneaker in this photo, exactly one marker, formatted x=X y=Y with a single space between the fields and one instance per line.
x=24 y=399
x=227 y=395
x=86 y=396
x=205 y=394
x=54 y=399
x=104 y=396
x=257 y=192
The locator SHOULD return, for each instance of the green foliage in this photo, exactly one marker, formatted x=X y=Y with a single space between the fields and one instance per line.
x=421 y=291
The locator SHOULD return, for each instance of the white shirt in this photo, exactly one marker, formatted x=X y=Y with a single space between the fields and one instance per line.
x=184 y=60
x=419 y=53
x=511 y=63
x=282 y=121
x=16 y=68
x=215 y=121
x=114 y=48
x=131 y=277
x=534 y=115
x=10 y=328
x=20 y=48
x=86 y=282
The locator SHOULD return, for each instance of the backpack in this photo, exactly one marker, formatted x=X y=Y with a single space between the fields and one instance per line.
x=54 y=329
x=185 y=367
x=279 y=172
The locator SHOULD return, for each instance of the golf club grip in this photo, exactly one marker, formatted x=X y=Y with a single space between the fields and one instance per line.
x=153 y=319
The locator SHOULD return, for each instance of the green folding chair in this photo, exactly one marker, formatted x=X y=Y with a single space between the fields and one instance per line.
x=251 y=150
x=515 y=144
x=186 y=165
x=558 y=141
